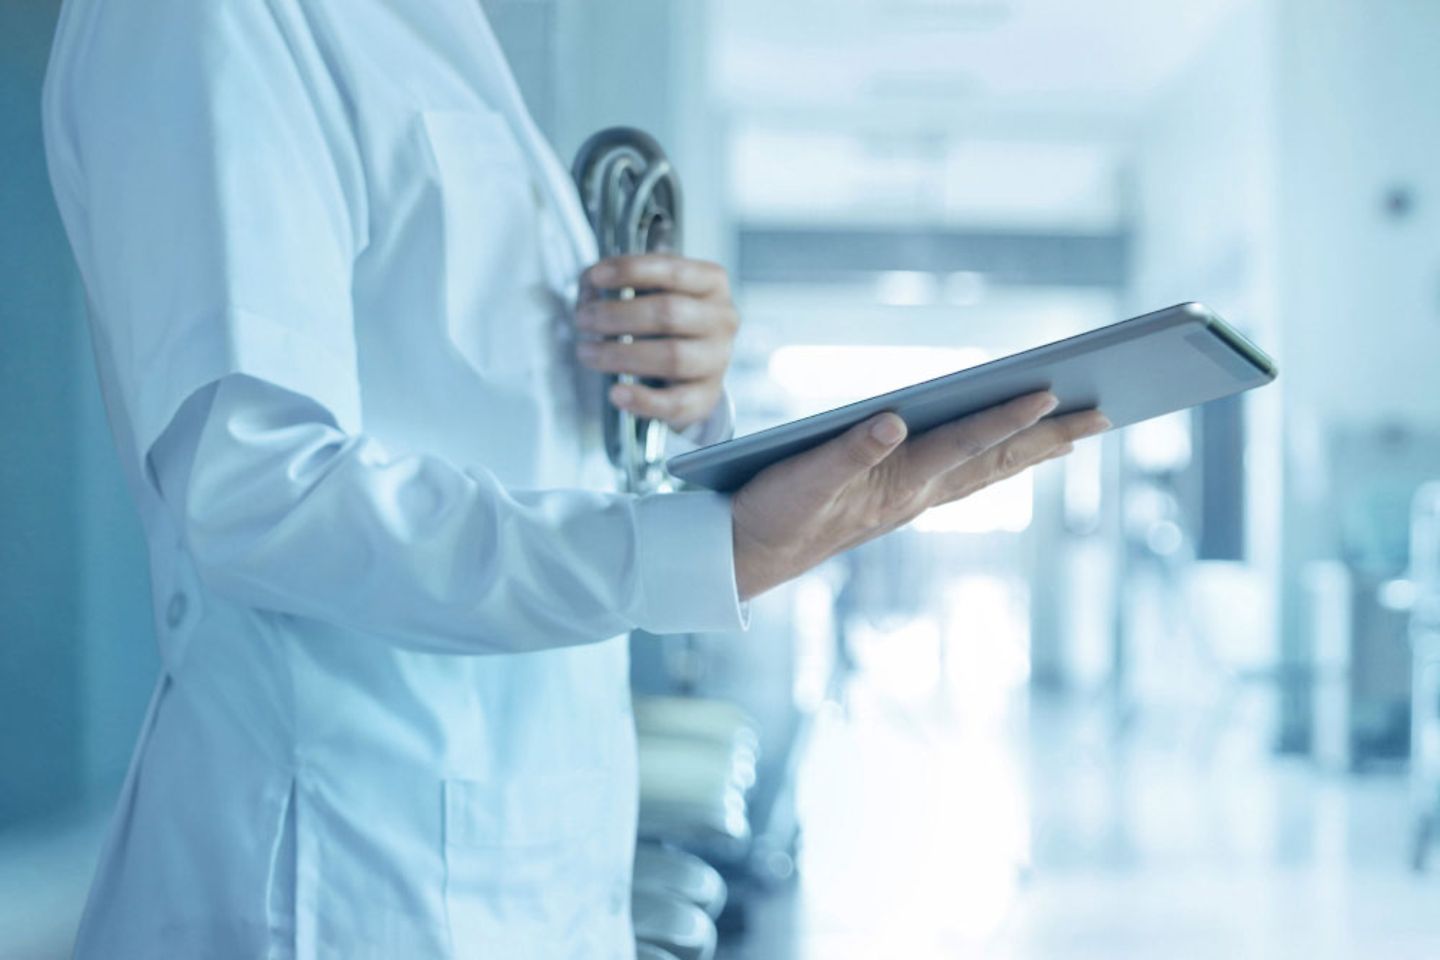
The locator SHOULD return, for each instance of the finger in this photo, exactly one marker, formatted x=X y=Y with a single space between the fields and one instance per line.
x=674 y=315
x=657 y=271
x=1044 y=441
x=669 y=358
x=970 y=479
x=678 y=406
x=1032 y=444
x=947 y=446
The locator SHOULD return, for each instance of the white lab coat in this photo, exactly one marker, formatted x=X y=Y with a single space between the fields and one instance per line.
x=330 y=263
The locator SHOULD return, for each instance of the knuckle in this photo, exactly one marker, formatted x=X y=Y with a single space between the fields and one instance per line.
x=898 y=502
x=611 y=269
x=859 y=452
x=968 y=446
x=673 y=352
x=672 y=269
x=625 y=269
x=671 y=311
x=606 y=314
x=731 y=321
x=716 y=274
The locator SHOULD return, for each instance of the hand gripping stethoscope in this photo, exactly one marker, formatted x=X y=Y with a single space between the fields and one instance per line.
x=631 y=196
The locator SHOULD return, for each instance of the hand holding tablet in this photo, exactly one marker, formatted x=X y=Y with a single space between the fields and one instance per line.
x=805 y=509
x=807 y=490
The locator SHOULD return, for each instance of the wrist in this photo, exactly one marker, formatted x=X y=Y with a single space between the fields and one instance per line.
x=758 y=566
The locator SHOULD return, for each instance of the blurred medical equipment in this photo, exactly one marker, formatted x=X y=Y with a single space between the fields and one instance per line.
x=631 y=196
x=1360 y=605
x=648 y=951
x=1424 y=594
x=677 y=927
x=697 y=761
x=669 y=870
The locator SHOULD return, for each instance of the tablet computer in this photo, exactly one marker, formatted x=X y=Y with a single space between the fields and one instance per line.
x=1140 y=368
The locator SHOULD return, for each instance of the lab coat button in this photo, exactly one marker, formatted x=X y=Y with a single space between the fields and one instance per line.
x=175 y=612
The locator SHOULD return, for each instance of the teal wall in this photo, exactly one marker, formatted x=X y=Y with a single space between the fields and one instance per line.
x=77 y=654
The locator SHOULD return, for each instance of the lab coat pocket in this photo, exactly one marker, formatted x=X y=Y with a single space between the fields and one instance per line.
x=514 y=855
x=496 y=296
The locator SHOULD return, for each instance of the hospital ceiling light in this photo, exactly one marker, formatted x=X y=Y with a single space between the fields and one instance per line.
x=907 y=288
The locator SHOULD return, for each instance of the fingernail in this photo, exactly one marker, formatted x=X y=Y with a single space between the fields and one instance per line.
x=585 y=317
x=587 y=349
x=1104 y=423
x=621 y=396
x=1050 y=403
x=888 y=430
x=602 y=274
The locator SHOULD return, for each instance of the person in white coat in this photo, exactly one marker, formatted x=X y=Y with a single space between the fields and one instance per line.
x=332 y=270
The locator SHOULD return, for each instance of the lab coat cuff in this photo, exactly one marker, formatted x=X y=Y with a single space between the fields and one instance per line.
x=687 y=564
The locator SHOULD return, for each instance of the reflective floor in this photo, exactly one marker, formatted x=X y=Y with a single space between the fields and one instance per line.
x=945 y=821
x=44 y=873
x=942 y=828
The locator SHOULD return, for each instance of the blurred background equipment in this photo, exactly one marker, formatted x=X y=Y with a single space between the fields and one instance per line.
x=1176 y=696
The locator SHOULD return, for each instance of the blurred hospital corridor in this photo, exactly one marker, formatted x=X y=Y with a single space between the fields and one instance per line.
x=1172 y=693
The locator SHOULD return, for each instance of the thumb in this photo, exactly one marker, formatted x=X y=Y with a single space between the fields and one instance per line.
x=862 y=447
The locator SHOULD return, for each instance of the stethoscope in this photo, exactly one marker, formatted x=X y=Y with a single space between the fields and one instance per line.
x=631 y=196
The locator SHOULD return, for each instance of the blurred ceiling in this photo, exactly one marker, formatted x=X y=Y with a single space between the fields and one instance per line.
x=1057 y=61
x=989 y=114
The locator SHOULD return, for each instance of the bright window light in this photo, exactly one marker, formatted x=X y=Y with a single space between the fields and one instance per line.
x=1004 y=508
x=843 y=373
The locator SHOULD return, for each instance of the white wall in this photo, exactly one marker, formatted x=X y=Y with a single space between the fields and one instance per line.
x=1358 y=81
x=77 y=651
x=1206 y=222
x=1261 y=181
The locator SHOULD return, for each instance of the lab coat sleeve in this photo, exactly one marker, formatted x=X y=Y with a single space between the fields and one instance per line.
x=284 y=511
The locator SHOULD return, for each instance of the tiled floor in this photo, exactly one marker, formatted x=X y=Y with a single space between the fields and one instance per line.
x=1046 y=831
